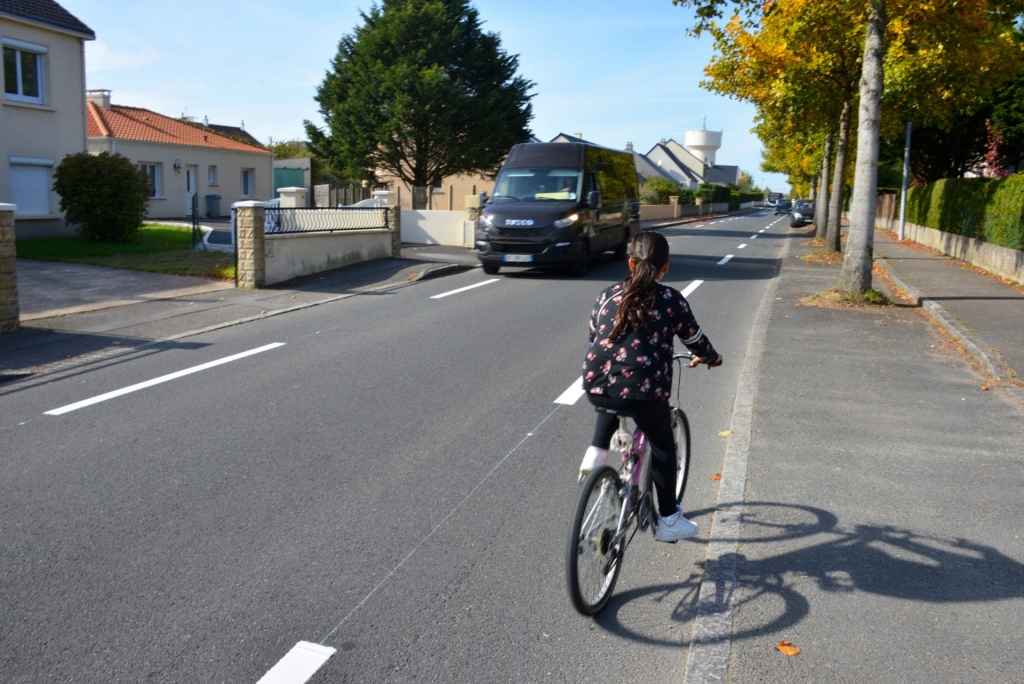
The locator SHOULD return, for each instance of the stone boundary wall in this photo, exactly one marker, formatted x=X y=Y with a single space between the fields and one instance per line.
x=1001 y=261
x=426 y=227
x=267 y=259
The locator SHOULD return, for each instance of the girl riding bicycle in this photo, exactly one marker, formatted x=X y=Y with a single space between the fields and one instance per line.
x=629 y=368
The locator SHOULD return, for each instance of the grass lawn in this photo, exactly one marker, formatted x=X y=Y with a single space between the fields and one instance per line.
x=156 y=248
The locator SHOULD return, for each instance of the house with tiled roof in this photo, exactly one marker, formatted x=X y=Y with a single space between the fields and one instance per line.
x=687 y=169
x=182 y=159
x=42 y=115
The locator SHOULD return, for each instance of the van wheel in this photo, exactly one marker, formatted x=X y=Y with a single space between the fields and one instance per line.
x=491 y=269
x=582 y=264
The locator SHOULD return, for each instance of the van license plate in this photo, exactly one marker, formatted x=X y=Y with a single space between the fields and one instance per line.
x=519 y=258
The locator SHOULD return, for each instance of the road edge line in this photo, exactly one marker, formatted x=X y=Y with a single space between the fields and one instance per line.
x=711 y=637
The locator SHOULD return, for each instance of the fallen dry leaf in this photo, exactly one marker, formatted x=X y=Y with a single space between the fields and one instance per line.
x=725 y=433
x=264 y=311
x=797 y=305
x=986 y=465
x=716 y=476
x=788 y=649
x=191 y=303
x=984 y=388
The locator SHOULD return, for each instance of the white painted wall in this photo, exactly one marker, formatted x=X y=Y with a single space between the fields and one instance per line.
x=436 y=228
x=297 y=254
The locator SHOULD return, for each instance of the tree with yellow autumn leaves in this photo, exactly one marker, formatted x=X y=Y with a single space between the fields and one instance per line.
x=806 y=64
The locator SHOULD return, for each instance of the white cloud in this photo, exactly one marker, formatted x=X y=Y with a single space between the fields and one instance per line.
x=101 y=57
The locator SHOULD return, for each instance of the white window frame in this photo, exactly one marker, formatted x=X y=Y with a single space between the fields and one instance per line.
x=211 y=175
x=19 y=47
x=157 y=176
x=248 y=191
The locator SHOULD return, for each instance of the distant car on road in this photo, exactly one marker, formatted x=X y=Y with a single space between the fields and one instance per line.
x=803 y=212
x=783 y=206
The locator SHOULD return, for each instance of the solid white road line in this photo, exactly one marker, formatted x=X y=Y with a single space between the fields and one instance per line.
x=163 y=378
x=571 y=395
x=727 y=257
x=742 y=246
x=463 y=289
x=299 y=664
x=691 y=287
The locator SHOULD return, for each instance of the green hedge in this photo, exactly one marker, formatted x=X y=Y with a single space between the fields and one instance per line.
x=984 y=208
x=736 y=198
x=713 y=193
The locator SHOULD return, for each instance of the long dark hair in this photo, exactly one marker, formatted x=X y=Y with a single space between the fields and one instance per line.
x=649 y=252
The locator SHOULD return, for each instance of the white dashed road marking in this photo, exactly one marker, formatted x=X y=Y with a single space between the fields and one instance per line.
x=571 y=395
x=299 y=664
x=463 y=289
x=727 y=257
x=156 y=381
x=742 y=246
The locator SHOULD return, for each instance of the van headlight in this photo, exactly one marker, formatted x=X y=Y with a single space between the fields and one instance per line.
x=486 y=222
x=567 y=221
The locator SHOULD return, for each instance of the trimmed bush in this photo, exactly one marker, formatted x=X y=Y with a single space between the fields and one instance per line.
x=984 y=208
x=736 y=198
x=104 y=194
x=662 y=187
x=716 y=194
x=649 y=195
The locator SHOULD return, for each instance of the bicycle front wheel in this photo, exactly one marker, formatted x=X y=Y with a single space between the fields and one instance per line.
x=593 y=560
x=681 y=432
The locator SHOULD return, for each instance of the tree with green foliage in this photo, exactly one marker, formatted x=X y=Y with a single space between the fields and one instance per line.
x=420 y=92
x=659 y=189
x=104 y=194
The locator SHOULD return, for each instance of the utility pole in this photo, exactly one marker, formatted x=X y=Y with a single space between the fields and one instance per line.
x=906 y=179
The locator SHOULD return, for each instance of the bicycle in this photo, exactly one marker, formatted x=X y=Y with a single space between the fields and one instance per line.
x=613 y=502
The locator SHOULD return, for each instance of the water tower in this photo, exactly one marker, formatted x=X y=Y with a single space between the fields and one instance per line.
x=704 y=144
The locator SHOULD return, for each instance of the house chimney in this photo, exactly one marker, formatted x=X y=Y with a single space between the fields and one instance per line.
x=101 y=98
x=243 y=124
x=579 y=136
x=206 y=120
x=629 y=147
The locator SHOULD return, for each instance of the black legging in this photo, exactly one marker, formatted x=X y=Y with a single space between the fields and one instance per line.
x=654 y=417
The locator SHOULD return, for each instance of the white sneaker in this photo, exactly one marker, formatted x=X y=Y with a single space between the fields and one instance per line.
x=675 y=527
x=592 y=459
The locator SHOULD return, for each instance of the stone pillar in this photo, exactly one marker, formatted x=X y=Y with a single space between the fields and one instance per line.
x=9 y=313
x=673 y=201
x=473 y=207
x=292 y=197
x=395 y=221
x=252 y=272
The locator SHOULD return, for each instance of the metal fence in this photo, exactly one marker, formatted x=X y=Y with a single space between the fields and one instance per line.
x=280 y=221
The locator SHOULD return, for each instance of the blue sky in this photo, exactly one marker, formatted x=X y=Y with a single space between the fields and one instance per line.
x=616 y=72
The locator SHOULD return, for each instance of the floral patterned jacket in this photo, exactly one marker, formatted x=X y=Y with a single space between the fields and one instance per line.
x=638 y=365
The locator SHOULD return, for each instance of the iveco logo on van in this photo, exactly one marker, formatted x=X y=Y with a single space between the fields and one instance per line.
x=519 y=222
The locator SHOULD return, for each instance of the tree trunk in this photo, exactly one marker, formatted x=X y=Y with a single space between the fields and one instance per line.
x=855 y=275
x=821 y=205
x=833 y=235
x=419 y=197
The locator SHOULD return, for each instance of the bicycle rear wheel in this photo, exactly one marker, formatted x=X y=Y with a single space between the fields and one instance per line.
x=681 y=432
x=592 y=561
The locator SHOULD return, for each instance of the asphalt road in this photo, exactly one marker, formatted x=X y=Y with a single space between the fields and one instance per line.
x=394 y=482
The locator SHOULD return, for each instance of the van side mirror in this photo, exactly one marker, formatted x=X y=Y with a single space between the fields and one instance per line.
x=594 y=199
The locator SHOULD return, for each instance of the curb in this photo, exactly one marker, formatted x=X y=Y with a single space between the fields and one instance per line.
x=992 y=362
x=443 y=270
x=698 y=219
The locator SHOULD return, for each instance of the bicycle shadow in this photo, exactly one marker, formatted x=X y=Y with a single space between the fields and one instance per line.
x=883 y=560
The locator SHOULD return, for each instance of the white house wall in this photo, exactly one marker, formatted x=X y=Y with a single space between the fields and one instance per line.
x=48 y=131
x=173 y=203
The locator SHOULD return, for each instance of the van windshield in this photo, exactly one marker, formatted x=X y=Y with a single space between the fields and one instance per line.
x=538 y=184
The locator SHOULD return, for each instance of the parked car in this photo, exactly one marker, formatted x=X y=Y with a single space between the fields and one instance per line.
x=803 y=212
x=556 y=204
x=783 y=206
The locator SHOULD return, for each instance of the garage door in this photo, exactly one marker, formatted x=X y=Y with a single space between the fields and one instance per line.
x=30 y=189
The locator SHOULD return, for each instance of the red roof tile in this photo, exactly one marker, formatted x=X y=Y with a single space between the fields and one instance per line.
x=133 y=123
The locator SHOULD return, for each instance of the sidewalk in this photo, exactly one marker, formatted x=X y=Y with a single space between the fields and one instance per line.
x=985 y=311
x=881 y=529
x=124 y=311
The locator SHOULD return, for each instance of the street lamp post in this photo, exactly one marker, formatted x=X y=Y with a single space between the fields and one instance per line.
x=906 y=178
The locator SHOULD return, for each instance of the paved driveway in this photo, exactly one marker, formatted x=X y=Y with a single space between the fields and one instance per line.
x=50 y=288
